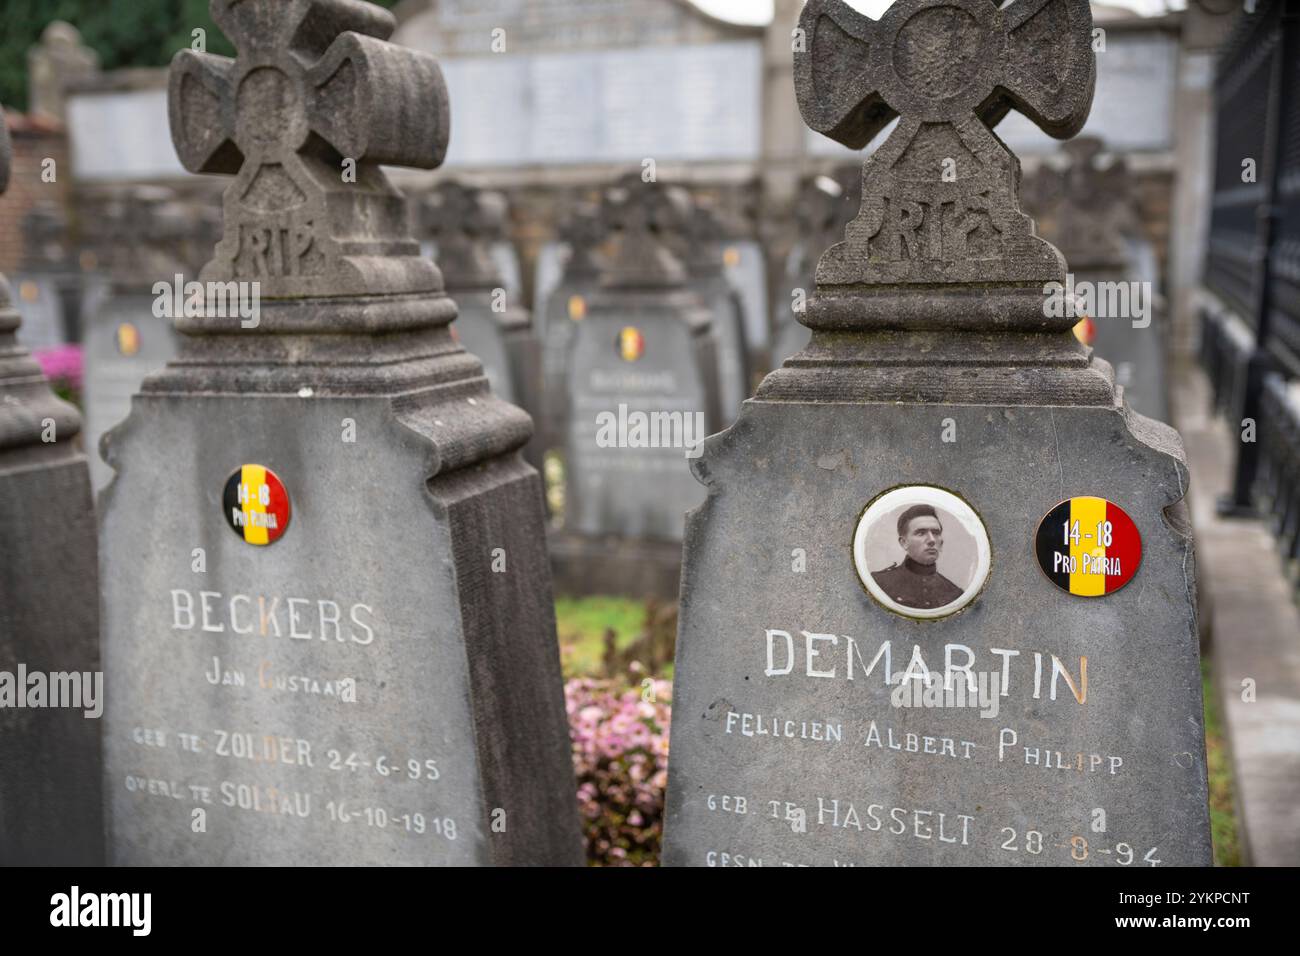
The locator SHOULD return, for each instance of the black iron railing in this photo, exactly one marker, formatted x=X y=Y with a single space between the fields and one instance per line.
x=1253 y=256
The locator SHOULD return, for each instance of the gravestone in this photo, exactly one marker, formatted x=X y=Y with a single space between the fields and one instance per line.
x=1088 y=211
x=642 y=392
x=44 y=287
x=495 y=235
x=746 y=268
x=566 y=305
x=127 y=334
x=327 y=611
x=49 y=261
x=492 y=325
x=1021 y=686
x=547 y=272
x=51 y=688
x=59 y=59
x=704 y=254
x=827 y=205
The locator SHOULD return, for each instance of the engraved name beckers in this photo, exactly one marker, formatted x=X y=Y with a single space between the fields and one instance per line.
x=302 y=619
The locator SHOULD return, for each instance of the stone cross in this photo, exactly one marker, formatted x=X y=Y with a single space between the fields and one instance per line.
x=1087 y=208
x=940 y=194
x=303 y=117
x=583 y=231
x=58 y=60
x=644 y=215
x=463 y=221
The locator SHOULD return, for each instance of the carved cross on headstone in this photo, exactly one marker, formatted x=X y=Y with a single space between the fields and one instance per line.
x=583 y=231
x=705 y=233
x=940 y=194
x=313 y=104
x=643 y=215
x=1086 y=209
x=463 y=220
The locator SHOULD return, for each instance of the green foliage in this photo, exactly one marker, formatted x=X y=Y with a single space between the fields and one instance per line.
x=125 y=33
x=1223 y=817
x=581 y=623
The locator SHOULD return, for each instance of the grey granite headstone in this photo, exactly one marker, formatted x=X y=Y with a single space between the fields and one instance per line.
x=566 y=305
x=464 y=223
x=746 y=268
x=1089 y=212
x=38 y=302
x=826 y=206
x=641 y=393
x=49 y=259
x=128 y=334
x=59 y=59
x=703 y=254
x=51 y=809
x=935 y=369
x=547 y=271
x=327 y=608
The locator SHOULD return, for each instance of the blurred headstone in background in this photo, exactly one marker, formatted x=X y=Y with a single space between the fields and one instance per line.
x=827 y=206
x=1087 y=209
x=642 y=392
x=142 y=237
x=464 y=226
x=704 y=252
x=565 y=305
x=58 y=60
x=48 y=283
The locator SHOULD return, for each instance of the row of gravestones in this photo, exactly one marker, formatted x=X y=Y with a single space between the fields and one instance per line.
x=325 y=608
x=145 y=233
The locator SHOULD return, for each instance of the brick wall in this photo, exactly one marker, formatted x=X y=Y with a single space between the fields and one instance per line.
x=34 y=140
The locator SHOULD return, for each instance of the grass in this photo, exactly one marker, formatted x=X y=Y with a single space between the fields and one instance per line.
x=581 y=623
x=1223 y=817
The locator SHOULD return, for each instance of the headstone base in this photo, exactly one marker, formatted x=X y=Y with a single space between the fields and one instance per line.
x=583 y=567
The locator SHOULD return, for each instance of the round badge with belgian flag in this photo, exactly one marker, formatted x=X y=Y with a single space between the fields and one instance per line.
x=630 y=343
x=256 y=504
x=1088 y=546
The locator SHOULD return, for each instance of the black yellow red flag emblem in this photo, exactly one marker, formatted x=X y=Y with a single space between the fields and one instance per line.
x=1088 y=546
x=256 y=504
x=631 y=344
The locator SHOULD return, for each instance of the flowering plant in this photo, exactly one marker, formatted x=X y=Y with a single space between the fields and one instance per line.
x=62 y=365
x=620 y=756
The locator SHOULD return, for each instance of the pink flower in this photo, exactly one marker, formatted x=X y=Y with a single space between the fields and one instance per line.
x=62 y=364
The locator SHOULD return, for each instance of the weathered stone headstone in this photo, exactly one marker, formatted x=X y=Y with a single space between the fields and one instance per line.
x=50 y=260
x=825 y=209
x=51 y=687
x=704 y=254
x=59 y=59
x=746 y=267
x=1088 y=211
x=327 y=609
x=130 y=332
x=491 y=325
x=642 y=392
x=997 y=694
x=45 y=289
x=566 y=305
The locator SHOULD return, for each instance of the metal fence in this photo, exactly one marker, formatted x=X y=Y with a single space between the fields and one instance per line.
x=1253 y=255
